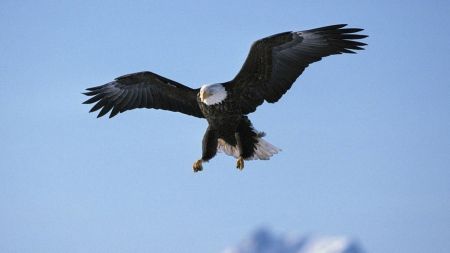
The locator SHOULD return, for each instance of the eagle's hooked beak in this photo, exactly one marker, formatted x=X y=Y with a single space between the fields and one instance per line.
x=204 y=95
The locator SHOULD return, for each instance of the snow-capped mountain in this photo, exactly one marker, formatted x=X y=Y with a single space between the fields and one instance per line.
x=263 y=241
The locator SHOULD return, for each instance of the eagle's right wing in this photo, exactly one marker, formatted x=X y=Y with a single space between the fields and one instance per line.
x=143 y=90
x=274 y=63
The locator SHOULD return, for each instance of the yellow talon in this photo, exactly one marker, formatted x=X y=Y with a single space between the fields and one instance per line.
x=240 y=163
x=197 y=166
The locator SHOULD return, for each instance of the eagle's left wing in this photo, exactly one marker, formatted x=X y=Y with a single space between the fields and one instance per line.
x=274 y=63
x=143 y=90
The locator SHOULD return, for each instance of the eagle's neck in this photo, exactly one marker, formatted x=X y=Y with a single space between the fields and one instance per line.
x=212 y=94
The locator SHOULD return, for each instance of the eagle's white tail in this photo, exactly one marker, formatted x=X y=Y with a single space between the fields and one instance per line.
x=263 y=149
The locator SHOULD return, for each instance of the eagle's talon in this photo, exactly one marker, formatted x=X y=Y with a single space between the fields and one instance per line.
x=197 y=166
x=240 y=163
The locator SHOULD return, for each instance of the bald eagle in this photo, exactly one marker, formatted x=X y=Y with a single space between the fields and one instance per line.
x=272 y=66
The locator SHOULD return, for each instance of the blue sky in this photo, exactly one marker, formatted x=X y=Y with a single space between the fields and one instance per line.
x=365 y=138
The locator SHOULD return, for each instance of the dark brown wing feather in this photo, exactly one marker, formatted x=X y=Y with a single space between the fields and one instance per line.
x=143 y=90
x=275 y=62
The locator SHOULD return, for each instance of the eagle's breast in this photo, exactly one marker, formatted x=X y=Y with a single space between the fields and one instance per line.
x=223 y=116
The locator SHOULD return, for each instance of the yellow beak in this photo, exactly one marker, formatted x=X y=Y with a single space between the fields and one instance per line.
x=204 y=95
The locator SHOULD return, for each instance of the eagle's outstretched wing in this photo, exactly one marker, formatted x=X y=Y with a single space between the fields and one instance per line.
x=274 y=63
x=143 y=90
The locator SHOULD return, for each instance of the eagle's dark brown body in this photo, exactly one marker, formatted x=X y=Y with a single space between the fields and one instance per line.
x=226 y=122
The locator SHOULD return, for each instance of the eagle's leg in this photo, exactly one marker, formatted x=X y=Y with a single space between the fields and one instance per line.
x=209 y=149
x=240 y=163
x=240 y=160
x=197 y=166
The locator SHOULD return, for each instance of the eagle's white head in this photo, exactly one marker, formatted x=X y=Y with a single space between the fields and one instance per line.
x=212 y=94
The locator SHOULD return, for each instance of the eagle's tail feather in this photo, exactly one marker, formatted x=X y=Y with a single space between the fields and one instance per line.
x=263 y=149
x=223 y=146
